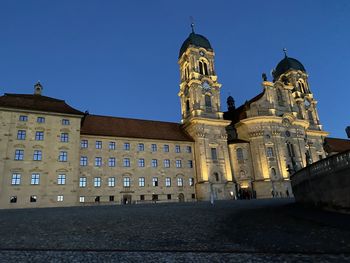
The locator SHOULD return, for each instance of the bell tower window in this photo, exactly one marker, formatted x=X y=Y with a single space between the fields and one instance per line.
x=279 y=97
x=203 y=68
x=207 y=102
x=187 y=105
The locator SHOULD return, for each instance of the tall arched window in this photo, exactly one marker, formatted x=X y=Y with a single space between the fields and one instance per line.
x=207 y=99
x=187 y=105
x=239 y=153
x=290 y=149
x=203 y=68
x=301 y=86
x=279 y=97
x=273 y=172
x=216 y=175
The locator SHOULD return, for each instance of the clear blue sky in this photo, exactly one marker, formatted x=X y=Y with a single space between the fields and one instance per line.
x=119 y=58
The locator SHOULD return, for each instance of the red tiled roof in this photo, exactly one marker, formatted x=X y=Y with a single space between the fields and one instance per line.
x=133 y=128
x=336 y=145
x=37 y=103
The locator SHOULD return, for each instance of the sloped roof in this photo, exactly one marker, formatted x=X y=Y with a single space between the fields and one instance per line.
x=133 y=128
x=36 y=103
x=336 y=145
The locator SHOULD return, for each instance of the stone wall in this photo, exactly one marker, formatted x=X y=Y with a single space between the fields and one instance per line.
x=325 y=183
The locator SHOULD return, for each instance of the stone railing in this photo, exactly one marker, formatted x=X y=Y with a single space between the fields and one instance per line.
x=325 y=183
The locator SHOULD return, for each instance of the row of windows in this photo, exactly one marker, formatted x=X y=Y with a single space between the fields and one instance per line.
x=240 y=156
x=24 y=118
x=38 y=155
x=35 y=179
x=111 y=182
x=127 y=163
x=39 y=136
x=140 y=146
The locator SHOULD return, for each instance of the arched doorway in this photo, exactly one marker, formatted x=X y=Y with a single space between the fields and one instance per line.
x=181 y=198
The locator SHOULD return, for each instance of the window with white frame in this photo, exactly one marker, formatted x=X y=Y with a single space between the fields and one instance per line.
x=35 y=179
x=111 y=181
x=16 y=179
x=83 y=160
x=65 y=122
x=82 y=182
x=126 y=182
x=111 y=162
x=64 y=137
x=140 y=147
x=98 y=144
x=81 y=199
x=23 y=118
x=19 y=155
x=39 y=136
x=178 y=163
x=61 y=179
x=126 y=146
x=97 y=182
x=188 y=149
x=98 y=161
x=166 y=148
x=166 y=163
x=155 y=181
x=180 y=181
x=126 y=162
x=141 y=181
x=191 y=181
x=177 y=149
x=84 y=144
x=190 y=164
x=141 y=162
x=167 y=181
x=21 y=135
x=111 y=145
x=154 y=147
x=37 y=155
x=40 y=120
x=63 y=156
x=60 y=198
x=154 y=162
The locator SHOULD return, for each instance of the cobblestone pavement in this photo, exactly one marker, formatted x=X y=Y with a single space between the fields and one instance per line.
x=230 y=231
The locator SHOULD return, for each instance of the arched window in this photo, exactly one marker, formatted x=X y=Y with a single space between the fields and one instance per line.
x=203 y=68
x=279 y=97
x=216 y=176
x=290 y=149
x=242 y=173
x=273 y=172
x=269 y=152
x=239 y=153
x=207 y=102
x=187 y=105
x=301 y=86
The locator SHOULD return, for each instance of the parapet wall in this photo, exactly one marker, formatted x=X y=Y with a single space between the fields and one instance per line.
x=325 y=183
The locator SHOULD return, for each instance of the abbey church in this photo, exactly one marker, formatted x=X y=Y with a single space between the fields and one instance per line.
x=52 y=154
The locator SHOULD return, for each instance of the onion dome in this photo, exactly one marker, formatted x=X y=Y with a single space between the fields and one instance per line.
x=195 y=40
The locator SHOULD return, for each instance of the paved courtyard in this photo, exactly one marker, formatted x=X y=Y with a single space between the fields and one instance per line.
x=229 y=231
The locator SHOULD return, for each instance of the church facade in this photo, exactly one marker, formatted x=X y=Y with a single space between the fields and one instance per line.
x=54 y=155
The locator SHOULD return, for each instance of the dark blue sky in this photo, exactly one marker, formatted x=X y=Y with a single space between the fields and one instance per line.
x=119 y=58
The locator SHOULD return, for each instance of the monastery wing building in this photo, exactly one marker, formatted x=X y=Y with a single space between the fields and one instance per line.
x=54 y=155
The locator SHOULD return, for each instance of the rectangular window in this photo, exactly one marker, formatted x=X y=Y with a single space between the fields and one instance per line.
x=191 y=181
x=35 y=179
x=169 y=196
x=97 y=199
x=126 y=162
x=111 y=145
x=83 y=160
x=40 y=120
x=126 y=181
x=142 y=197
x=19 y=155
x=65 y=122
x=82 y=182
x=37 y=156
x=81 y=199
x=269 y=152
x=155 y=181
x=154 y=147
x=111 y=181
x=141 y=162
x=214 y=155
x=111 y=198
x=64 y=137
x=23 y=118
x=33 y=198
x=166 y=163
x=62 y=157
x=188 y=149
x=141 y=181
x=98 y=161
x=61 y=179
x=167 y=181
x=98 y=145
x=13 y=199
x=84 y=144
x=16 y=179
x=154 y=162
x=177 y=148
x=178 y=163
x=60 y=198
x=140 y=147
x=189 y=164
x=21 y=135
x=97 y=182
x=39 y=136
x=180 y=182
x=166 y=148
x=193 y=196
x=111 y=162
x=126 y=146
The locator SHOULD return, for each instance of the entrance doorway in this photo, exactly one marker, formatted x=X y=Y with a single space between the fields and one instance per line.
x=181 y=198
x=126 y=199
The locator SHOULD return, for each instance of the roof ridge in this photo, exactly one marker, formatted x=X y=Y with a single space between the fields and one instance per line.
x=135 y=119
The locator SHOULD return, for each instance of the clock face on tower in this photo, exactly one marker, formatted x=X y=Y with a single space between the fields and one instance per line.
x=206 y=86
x=201 y=53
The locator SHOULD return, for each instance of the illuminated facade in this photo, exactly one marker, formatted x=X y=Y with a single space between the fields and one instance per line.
x=54 y=155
